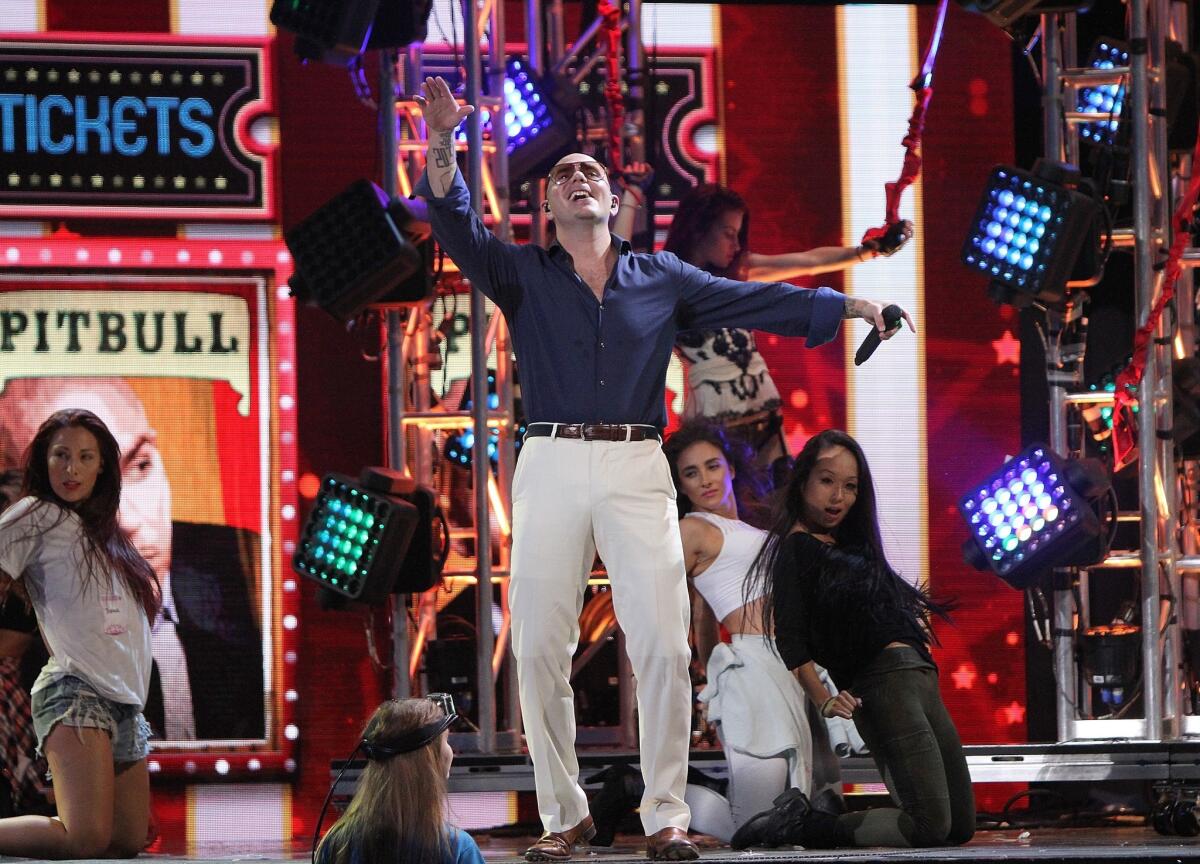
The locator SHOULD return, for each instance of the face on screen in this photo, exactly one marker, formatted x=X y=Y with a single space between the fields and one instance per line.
x=145 y=492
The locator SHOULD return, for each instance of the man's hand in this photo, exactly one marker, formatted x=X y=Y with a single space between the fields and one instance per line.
x=873 y=312
x=439 y=107
x=442 y=114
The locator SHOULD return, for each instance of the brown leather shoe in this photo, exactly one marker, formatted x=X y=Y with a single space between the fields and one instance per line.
x=558 y=846
x=671 y=844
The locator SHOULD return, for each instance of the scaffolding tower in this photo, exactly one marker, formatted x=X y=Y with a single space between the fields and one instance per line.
x=1165 y=527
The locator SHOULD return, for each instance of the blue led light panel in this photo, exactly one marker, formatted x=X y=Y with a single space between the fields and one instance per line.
x=1027 y=232
x=1026 y=515
x=1104 y=99
x=526 y=114
x=354 y=539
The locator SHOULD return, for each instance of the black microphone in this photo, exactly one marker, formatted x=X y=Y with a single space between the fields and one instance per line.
x=891 y=318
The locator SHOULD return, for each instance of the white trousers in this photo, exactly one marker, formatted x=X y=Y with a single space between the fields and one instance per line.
x=572 y=499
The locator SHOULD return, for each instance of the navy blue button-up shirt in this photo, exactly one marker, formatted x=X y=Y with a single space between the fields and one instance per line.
x=583 y=360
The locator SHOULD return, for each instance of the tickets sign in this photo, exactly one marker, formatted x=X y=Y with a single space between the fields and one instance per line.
x=174 y=131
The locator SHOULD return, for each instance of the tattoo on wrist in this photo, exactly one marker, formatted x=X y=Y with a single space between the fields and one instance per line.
x=443 y=153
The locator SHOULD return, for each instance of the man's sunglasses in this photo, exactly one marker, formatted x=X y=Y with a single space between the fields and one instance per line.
x=592 y=171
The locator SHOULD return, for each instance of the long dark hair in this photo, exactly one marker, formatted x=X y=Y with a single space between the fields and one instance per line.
x=699 y=209
x=397 y=813
x=859 y=531
x=106 y=546
x=749 y=481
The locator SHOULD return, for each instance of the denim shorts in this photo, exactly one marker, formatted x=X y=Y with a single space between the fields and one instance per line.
x=73 y=702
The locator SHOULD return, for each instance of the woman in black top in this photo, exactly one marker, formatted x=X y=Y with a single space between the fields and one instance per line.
x=831 y=597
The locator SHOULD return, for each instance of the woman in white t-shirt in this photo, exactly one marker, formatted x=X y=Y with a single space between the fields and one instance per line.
x=94 y=596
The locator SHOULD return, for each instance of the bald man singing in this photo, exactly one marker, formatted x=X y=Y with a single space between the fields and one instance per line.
x=593 y=326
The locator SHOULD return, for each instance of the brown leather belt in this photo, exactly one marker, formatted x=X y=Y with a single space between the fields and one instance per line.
x=593 y=431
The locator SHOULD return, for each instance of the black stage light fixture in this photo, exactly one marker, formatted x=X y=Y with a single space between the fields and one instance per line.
x=399 y=23
x=352 y=252
x=332 y=31
x=338 y=31
x=1018 y=18
x=421 y=567
x=1029 y=231
x=1033 y=513
x=359 y=541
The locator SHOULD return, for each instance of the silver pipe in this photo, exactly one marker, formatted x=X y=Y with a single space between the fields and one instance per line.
x=396 y=364
x=1071 y=51
x=535 y=35
x=554 y=28
x=588 y=34
x=480 y=469
x=1148 y=474
x=1185 y=304
x=1064 y=601
x=1172 y=646
x=1052 y=93
x=505 y=447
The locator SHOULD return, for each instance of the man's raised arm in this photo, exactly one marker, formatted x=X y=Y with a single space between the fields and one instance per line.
x=442 y=116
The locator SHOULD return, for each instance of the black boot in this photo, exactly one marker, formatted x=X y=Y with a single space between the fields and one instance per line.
x=620 y=794
x=777 y=826
x=818 y=830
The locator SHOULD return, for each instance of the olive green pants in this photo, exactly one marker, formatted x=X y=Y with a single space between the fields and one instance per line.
x=918 y=753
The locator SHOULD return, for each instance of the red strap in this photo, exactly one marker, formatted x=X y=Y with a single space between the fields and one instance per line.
x=1131 y=375
x=911 y=169
x=611 y=30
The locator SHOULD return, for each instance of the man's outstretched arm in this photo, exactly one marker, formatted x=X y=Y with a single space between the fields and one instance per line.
x=442 y=116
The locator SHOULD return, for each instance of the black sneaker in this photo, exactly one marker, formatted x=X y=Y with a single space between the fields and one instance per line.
x=779 y=826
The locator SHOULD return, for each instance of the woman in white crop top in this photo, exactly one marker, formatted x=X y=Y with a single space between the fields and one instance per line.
x=94 y=597
x=758 y=707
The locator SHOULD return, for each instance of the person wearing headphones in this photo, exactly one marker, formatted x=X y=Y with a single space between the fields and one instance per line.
x=398 y=812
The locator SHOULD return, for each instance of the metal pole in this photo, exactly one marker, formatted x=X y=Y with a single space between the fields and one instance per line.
x=1144 y=287
x=535 y=35
x=1185 y=584
x=480 y=468
x=1171 y=647
x=635 y=114
x=535 y=15
x=505 y=453
x=1064 y=601
x=554 y=30
x=401 y=685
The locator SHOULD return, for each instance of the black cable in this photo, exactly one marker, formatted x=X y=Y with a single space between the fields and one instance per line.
x=328 y=798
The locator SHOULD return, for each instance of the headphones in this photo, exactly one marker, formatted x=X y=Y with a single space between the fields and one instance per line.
x=378 y=750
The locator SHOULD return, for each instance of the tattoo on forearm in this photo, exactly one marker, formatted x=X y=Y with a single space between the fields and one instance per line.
x=443 y=153
x=853 y=308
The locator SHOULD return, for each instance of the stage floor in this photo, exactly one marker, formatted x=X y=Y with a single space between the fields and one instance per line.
x=1068 y=846
x=1058 y=845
